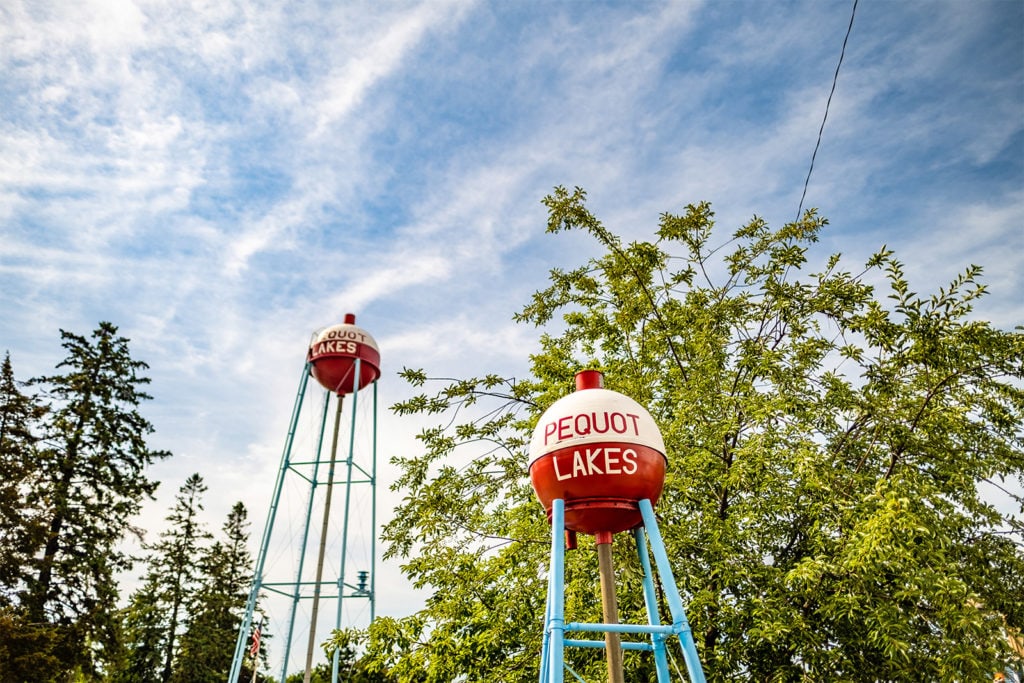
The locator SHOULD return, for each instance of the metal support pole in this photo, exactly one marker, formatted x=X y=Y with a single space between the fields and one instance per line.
x=305 y=538
x=556 y=622
x=545 y=643
x=651 y=602
x=344 y=530
x=675 y=603
x=311 y=645
x=553 y=665
x=236 y=662
x=609 y=607
x=373 y=513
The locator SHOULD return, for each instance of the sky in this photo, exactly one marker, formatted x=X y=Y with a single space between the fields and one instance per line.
x=221 y=179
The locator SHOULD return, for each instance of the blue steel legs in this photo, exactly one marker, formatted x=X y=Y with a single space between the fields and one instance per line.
x=355 y=473
x=552 y=664
x=551 y=656
x=250 y=605
x=675 y=604
x=651 y=602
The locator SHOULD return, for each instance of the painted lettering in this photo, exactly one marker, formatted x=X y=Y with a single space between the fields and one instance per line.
x=558 y=475
x=611 y=460
x=336 y=347
x=549 y=429
x=585 y=424
x=346 y=334
x=602 y=460
x=579 y=467
x=563 y=428
x=582 y=424
x=629 y=461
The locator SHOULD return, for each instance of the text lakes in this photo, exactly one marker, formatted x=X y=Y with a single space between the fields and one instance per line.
x=596 y=461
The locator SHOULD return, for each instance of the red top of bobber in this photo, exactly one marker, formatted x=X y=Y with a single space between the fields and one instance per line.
x=599 y=451
x=589 y=379
x=333 y=353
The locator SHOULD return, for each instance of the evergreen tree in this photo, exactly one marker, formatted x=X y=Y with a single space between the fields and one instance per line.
x=208 y=644
x=29 y=652
x=144 y=637
x=161 y=606
x=827 y=448
x=21 y=529
x=175 y=569
x=92 y=481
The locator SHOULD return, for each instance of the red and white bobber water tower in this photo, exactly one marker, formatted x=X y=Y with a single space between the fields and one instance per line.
x=597 y=464
x=345 y=360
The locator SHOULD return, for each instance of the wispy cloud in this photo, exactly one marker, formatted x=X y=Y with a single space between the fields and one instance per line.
x=388 y=41
x=222 y=178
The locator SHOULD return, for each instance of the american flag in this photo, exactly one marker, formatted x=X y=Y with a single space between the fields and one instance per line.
x=255 y=647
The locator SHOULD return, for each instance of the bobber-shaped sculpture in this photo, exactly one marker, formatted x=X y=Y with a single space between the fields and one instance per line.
x=345 y=360
x=333 y=353
x=602 y=453
x=597 y=464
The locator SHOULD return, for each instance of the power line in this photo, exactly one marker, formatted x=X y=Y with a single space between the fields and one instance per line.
x=835 y=79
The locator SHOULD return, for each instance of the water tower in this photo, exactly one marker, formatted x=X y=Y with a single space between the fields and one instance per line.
x=597 y=464
x=345 y=360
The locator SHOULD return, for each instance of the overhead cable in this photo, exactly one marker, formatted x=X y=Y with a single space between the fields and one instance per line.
x=835 y=79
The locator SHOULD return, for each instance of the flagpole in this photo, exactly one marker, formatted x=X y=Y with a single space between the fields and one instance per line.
x=255 y=650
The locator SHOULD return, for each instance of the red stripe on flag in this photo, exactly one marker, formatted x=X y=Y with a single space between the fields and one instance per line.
x=255 y=647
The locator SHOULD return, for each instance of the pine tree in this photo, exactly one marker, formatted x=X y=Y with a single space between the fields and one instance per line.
x=29 y=650
x=176 y=551
x=92 y=481
x=154 y=618
x=207 y=646
x=21 y=529
x=144 y=637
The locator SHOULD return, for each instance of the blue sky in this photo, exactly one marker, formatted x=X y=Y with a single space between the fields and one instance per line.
x=219 y=179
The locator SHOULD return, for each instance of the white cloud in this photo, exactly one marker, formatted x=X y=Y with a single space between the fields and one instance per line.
x=222 y=178
x=389 y=42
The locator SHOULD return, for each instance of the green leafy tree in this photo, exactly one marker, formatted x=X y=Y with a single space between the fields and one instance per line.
x=352 y=667
x=208 y=643
x=21 y=529
x=832 y=456
x=320 y=674
x=91 y=482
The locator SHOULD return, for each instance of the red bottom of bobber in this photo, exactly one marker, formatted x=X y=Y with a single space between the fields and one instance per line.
x=601 y=484
x=601 y=515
